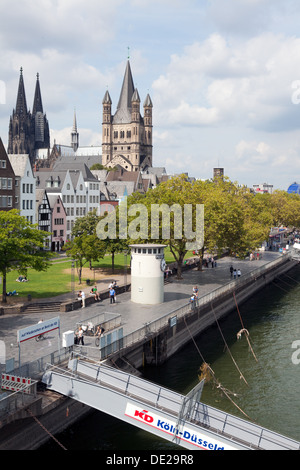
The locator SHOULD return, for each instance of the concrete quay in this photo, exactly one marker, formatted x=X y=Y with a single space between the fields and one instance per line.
x=133 y=316
x=21 y=432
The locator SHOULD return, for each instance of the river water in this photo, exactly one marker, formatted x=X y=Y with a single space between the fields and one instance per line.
x=271 y=398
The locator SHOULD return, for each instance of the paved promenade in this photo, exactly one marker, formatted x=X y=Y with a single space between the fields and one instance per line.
x=134 y=316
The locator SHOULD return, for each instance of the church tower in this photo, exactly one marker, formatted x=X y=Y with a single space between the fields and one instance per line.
x=40 y=122
x=28 y=132
x=126 y=135
x=20 y=137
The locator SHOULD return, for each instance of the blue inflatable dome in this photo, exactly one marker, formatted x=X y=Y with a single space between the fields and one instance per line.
x=294 y=189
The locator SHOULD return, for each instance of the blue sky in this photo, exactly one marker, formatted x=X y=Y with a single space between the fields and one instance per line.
x=223 y=76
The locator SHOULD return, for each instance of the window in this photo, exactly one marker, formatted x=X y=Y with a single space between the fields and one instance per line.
x=3 y=201
x=3 y=163
x=9 y=183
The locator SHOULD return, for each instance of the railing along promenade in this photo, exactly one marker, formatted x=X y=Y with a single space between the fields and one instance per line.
x=36 y=368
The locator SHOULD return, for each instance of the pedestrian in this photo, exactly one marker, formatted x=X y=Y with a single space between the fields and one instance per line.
x=212 y=262
x=231 y=270
x=112 y=295
x=195 y=292
x=239 y=273
x=234 y=273
x=80 y=336
x=83 y=299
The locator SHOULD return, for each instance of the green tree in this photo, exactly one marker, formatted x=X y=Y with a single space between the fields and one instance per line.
x=284 y=208
x=168 y=227
x=85 y=246
x=83 y=249
x=21 y=246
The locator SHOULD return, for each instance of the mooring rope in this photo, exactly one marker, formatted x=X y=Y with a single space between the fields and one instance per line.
x=244 y=329
x=227 y=347
x=219 y=385
x=46 y=430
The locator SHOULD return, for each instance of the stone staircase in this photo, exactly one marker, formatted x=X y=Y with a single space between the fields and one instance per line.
x=42 y=307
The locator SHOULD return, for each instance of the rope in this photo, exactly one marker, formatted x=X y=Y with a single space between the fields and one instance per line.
x=219 y=385
x=244 y=329
x=46 y=430
x=227 y=347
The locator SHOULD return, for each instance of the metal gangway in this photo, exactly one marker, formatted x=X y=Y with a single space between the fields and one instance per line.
x=180 y=419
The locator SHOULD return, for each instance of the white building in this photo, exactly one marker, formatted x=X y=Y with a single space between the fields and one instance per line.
x=263 y=188
x=25 y=186
x=78 y=189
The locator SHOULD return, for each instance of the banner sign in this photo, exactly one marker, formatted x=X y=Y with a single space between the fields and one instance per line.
x=198 y=439
x=39 y=329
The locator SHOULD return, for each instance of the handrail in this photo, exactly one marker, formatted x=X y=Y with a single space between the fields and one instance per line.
x=173 y=403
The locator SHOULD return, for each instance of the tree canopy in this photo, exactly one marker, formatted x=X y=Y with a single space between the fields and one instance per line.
x=21 y=246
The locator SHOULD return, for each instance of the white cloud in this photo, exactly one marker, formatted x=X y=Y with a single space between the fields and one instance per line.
x=221 y=82
x=221 y=77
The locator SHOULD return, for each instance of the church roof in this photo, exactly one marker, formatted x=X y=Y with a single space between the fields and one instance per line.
x=148 y=102
x=123 y=114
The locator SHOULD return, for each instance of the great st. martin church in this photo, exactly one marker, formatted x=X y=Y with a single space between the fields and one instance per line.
x=126 y=135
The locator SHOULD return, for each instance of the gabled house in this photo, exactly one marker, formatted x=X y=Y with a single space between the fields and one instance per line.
x=58 y=223
x=25 y=186
x=44 y=215
x=78 y=189
x=7 y=182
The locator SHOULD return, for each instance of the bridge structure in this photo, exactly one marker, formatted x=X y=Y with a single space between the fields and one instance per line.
x=183 y=420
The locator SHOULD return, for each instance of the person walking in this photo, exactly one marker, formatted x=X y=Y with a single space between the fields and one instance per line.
x=239 y=273
x=80 y=336
x=231 y=270
x=112 y=295
x=195 y=292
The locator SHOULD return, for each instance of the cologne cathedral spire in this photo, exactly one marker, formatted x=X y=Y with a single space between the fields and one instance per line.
x=28 y=132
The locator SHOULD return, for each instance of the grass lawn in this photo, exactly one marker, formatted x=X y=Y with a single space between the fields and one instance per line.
x=57 y=279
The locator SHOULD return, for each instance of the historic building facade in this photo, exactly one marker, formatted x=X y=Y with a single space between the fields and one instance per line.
x=127 y=135
x=28 y=132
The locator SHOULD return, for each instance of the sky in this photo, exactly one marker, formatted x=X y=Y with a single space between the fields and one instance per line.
x=223 y=76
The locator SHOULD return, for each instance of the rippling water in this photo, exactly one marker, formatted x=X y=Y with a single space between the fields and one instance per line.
x=272 y=397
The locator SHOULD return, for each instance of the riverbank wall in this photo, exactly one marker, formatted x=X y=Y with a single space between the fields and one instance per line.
x=186 y=324
x=49 y=413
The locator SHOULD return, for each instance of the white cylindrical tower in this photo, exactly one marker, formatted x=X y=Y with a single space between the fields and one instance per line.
x=147 y=274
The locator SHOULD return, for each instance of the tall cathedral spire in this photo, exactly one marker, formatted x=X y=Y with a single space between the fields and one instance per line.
x=21 y=106
x=28 y=132
x=37 y=103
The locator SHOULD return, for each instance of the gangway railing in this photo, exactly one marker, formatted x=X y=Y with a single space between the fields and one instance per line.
x=184 y=420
